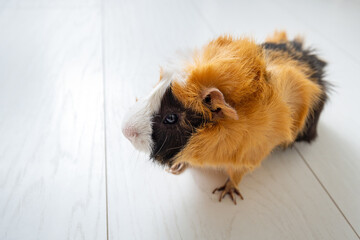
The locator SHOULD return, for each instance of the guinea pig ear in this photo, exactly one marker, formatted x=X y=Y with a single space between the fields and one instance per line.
x=215 y=101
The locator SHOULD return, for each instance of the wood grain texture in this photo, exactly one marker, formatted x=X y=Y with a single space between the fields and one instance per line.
x=283 y=199
x=52 y=130
x=53 y=4
x=334 y=156
x=334 y=20
x=52 y=175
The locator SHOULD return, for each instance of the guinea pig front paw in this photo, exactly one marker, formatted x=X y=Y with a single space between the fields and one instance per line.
x=228 y=188
x=178 y=168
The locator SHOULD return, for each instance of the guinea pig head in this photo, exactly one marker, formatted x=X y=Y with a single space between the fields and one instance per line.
x=190 y=100
x=160 y=124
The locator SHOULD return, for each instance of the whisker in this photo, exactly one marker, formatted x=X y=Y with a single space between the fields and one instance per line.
x=161 y=146
x=173 y=148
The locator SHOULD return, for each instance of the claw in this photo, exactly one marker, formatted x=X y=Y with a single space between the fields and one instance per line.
x=219 y=189
x=222 y=195
x=230 y=189
x=232 y=197
x=238 y=193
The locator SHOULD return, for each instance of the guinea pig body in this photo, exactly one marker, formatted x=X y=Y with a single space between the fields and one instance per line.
x=230 y=105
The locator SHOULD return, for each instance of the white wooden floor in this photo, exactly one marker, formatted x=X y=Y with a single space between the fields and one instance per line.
x=70 y=68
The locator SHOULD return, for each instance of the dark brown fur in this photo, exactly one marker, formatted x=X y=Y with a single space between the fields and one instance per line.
x=297 y=52
x=169 y=139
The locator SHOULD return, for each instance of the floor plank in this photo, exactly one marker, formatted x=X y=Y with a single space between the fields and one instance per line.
x=52 y=175
x=283 y=199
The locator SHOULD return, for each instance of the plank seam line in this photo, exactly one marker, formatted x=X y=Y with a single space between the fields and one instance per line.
x=102 y=26
x=327 y=192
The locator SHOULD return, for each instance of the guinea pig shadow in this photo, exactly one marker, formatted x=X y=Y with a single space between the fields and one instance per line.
x=207 y=179
x=200 y=210
x=330 y=145
x=266 y=190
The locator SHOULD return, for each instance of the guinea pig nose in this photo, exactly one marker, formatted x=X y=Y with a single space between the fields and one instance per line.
x=130 y=132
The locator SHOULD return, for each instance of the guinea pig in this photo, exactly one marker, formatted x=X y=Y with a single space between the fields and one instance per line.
x=229 y=105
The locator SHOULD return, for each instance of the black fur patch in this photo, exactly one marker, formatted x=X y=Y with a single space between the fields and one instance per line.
x=170 y=139
x=297 y=52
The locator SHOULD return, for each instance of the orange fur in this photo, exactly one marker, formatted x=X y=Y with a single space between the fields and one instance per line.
x=277 y=37
x=272 y=96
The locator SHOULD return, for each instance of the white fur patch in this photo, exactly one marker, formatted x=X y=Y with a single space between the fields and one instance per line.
x=140 y=115
x=138 y=118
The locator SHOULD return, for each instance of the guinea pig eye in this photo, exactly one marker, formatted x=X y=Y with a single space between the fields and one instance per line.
x=170 y=119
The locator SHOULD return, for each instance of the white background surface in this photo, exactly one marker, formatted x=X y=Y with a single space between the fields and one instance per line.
x=70 y=69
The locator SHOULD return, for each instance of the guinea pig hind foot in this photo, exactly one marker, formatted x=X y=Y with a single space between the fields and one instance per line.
x=177 y=169
x=229 y=188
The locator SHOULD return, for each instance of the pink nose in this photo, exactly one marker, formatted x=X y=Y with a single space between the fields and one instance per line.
x=130 y=132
